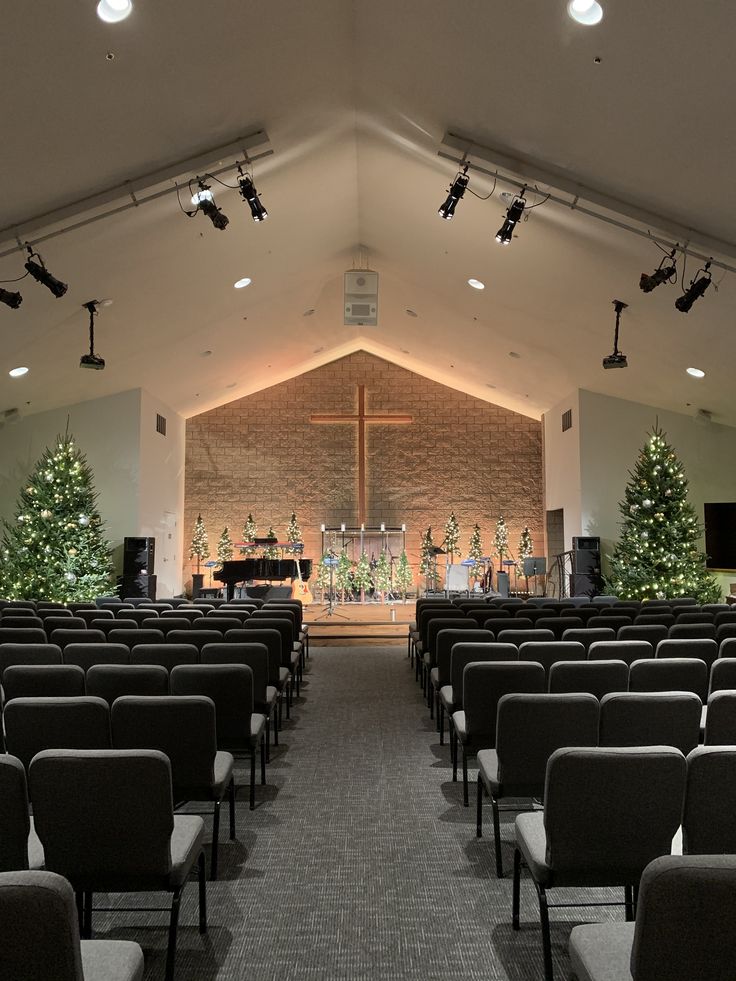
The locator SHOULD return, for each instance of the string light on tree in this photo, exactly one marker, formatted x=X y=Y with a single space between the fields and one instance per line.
x=452 y=537
x=382 y=575
x=362 y=577
x=501 y=539
x=293 y=534
x=270 y=551
x=199 y=548
x=404 y=577
x=525 y=549
x=225 y=546
x=475 y=551
x=250 y=530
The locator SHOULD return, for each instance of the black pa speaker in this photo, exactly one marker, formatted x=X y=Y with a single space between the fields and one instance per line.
x=586 y=562
x=583 y=544
x=139 y=586
x=138 y=556
x=581 y=585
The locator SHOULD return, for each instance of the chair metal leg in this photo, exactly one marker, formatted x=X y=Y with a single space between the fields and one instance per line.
x=263 y=762
x=253 y=778
x=430 y=699
x=268 y=738
x=453 y=753
x=629 y=904
x=87 y=933
x=215 y=840
x=441 y=721
x=465 y=776
x=497 y=837
x=479 y=810
x=232 y=809
x=202 y=893
x=79 y=897
x=546 y=937
x=516 y=890
x=277 y=720
x=173 y=925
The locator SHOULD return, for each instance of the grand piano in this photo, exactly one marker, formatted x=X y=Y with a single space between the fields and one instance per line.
x=269 y=570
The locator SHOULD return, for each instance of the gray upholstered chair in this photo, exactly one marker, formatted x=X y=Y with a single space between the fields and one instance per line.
x=239 y=728
x=484 y=683
x=702 y=616
x=290 y=658
x=39 y=935
x=724 y=632
x=87 y=655
x=451 y=696
x=620 y=650
x=668 y=718
x=166 y=624
x=68 y=622
x=19 y=844
x=168 y=655
x=94 y=614
x=265 y=695
x=708 y=826
x=86 y=636
x=441 y=675
x=612 y=622
x=595 y=677
x=607 y=814
x=22 y=635
x=670 y=674
x=36 y=724
x=529 y=729
x=111 y=681
x=106 y=625
x=589 y=635
x=664 y=619
x=192 y=614
x=279 y=673
x=497 y=624
x=18 y=622
x=539 y=635
x=723 y=673
x=131 y=619
x=194 y=636
x=213 y=621
x=701 y=648
x=549 y=652
x=183 y=728
x=429 y=657
x=28 y=654
x=720 y=718
x=650 y=632
x=684 y=926
x=42 y=680
x=692 y=631
x=106 y=821
x=131 y=638
x=560 y=624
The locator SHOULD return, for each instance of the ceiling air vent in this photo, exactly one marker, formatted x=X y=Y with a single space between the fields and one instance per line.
x=160 y=424
x=567 y=420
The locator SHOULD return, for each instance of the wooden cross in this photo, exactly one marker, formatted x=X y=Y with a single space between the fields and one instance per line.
x=362 y=418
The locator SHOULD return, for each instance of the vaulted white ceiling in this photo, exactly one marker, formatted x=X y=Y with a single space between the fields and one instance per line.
x=355 y=98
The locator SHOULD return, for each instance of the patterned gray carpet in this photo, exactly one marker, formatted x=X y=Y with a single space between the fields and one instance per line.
x=359 y=861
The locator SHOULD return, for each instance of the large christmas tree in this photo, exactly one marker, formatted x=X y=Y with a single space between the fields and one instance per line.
x=56 y=549
x=657 y=555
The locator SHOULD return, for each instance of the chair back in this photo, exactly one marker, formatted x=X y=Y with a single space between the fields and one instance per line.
x=111 y=681
x=194 y=636
x=255 y=656
x=620 y=650
x=725 y=616
x=132 y=619
x=104 y=817
x=609 y=811
x=220 y=623
x=723 y=673
x=464 y=653
x=548 y=652
x=485 y=683
x=670 y=674
x=669 y=718
x=651 y=632
x=166 y=624
x=685 y=919
x=692 y=631
x=679 y=601
x=558 y=625
x=182 y=727
x=15 y=824
x=590 y=635
x=183 y=613
x=86 y=655
x=39 y=928
x=441 y=623
x=595 y=677
x=531 y=727
x=42 y=680
x=22 y=635
x=95 y=614
x=701 y=617
x=699 y=648
x=448 y=611
x=446 y=640
x=28 y=654
x=708 y=826
x=167 y=655
x=116 y=623
x=131 y=638
x=720 y=719
x=612 y=622
x=658 y=619
x=230 y=686
x=36 y=724
x=519 y=637
x=86 y=636
x=51 y=623
x=19 y=622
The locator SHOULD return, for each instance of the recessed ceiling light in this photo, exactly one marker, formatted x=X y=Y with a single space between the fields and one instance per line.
x=514 y=354
x=586 y=12
x=404 y=351
x=112 y=11
x=411 y=313
x=489 y=385
x=317 y=350
x=476 y=284
x=206 y=354
x=695 y=372
x=308 y=313
x=242 y=283
x=18 y=372
x=231 y=385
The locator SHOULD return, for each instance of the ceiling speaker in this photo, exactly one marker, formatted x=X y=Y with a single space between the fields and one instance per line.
x=361 y=298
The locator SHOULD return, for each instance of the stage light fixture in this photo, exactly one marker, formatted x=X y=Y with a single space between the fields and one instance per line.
x=250 y=196
x=10 y=298
x=617 y=359
x=112 y=11
x=455 y=193
x=662 y=274
x=513 y=217
x=92 y=360
x=695 y=290
x=206 y=204
x=40 y=273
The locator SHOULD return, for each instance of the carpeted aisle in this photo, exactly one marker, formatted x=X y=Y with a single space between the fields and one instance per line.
x=359 y=861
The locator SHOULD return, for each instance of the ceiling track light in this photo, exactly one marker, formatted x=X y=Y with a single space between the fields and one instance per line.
x=92 y=360
x=455 y=193
x=662 y=274
x=695 y=290
x=10 y=298
x=617 y=359
x=513 y=217
x=250 y=196
x=39 y=272
x=206 y=204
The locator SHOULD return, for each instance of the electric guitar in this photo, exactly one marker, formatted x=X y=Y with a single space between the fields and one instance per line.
x=300 y=589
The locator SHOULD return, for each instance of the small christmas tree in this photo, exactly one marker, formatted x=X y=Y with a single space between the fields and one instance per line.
x=525 y=550
x=452 y=537
x=404 y=577
x=343 y=574
x=657 y=554
x=475 y=551
x=362 y=577
x=382 y=575
x=224 y=546
x=199 y=548
x=293 y=534
x=56 y=549
x=250 y=530
x=501 y=540
x=270 y=551
x=427 y=559
x=323 y=574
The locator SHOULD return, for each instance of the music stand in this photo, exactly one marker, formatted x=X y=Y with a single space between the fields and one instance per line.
x=535 y=566
x=331 y=562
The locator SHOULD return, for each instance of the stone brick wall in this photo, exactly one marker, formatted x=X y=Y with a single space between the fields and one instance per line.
x=262 y=454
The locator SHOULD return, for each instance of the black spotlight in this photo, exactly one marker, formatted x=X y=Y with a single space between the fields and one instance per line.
x=250 y=196
x=617 y=359
x=694 y=291
x=513 y=217
x=206 y=204
x=457 y=189
x=40 y=273
x=662 y=274
x=12 y=300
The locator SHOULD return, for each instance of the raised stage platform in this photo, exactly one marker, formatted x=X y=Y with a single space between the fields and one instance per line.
x=370 y=623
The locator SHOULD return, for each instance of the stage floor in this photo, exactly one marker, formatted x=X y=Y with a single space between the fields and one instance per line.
x=359 y=622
